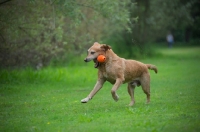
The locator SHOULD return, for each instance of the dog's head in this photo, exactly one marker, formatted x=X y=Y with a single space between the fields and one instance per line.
x=96 y=50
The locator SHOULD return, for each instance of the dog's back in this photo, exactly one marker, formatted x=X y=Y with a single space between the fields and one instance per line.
x=129 y=69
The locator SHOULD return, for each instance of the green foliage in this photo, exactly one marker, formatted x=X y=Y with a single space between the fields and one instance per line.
x=49 y=99
x=151 y=21
x=34 y=32
x=127 y=47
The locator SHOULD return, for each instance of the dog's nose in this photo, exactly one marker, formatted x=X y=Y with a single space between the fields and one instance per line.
x=85 y=59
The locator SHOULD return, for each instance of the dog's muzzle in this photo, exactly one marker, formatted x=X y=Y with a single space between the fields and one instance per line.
x=95 y=61
x=88 y=59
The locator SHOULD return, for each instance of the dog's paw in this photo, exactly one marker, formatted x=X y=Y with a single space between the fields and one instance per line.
x=132 y=103
x=85 y=100
x=116 y=97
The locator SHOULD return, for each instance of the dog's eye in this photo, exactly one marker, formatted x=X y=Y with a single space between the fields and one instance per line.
x=92 y=52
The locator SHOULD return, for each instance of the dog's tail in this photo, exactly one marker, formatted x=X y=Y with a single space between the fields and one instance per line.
x=152 y=67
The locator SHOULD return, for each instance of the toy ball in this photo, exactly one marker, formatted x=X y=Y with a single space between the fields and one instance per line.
x=101 y=58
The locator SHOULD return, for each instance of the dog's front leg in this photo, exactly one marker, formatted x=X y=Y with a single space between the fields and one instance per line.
x=115 y=87
x=97 y=87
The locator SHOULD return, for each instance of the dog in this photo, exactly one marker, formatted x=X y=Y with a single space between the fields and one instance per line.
x=118 y=71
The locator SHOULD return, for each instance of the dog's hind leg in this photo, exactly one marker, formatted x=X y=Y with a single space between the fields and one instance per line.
x=131 y=88
x=145 y=83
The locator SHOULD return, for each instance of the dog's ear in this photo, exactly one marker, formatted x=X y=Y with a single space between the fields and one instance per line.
x=105 y=47
x=96 y=43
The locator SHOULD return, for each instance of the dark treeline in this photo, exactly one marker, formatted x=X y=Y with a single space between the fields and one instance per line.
x=35 y=32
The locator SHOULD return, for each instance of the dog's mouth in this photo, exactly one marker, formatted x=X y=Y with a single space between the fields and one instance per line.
x=96 y=63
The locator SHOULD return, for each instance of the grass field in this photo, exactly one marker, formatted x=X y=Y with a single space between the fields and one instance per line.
x=49 y=99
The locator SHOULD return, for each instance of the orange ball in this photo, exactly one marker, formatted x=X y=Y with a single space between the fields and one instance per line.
x=101 y=58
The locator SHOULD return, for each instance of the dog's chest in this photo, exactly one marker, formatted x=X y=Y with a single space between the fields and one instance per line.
x=105 y=75
x=109 y=78
x=108 y=74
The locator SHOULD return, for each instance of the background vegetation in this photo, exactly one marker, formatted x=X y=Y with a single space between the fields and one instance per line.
x=35 y=33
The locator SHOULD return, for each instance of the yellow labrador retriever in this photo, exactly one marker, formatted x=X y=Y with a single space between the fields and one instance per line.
x=117 y=71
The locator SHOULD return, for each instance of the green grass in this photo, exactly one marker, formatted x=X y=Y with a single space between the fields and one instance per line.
x=49 y=99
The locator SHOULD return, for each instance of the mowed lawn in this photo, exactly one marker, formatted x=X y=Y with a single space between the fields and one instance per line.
x=49 y=99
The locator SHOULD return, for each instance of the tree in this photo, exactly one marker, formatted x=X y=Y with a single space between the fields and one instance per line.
x=34 y=32
x=155 y=19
